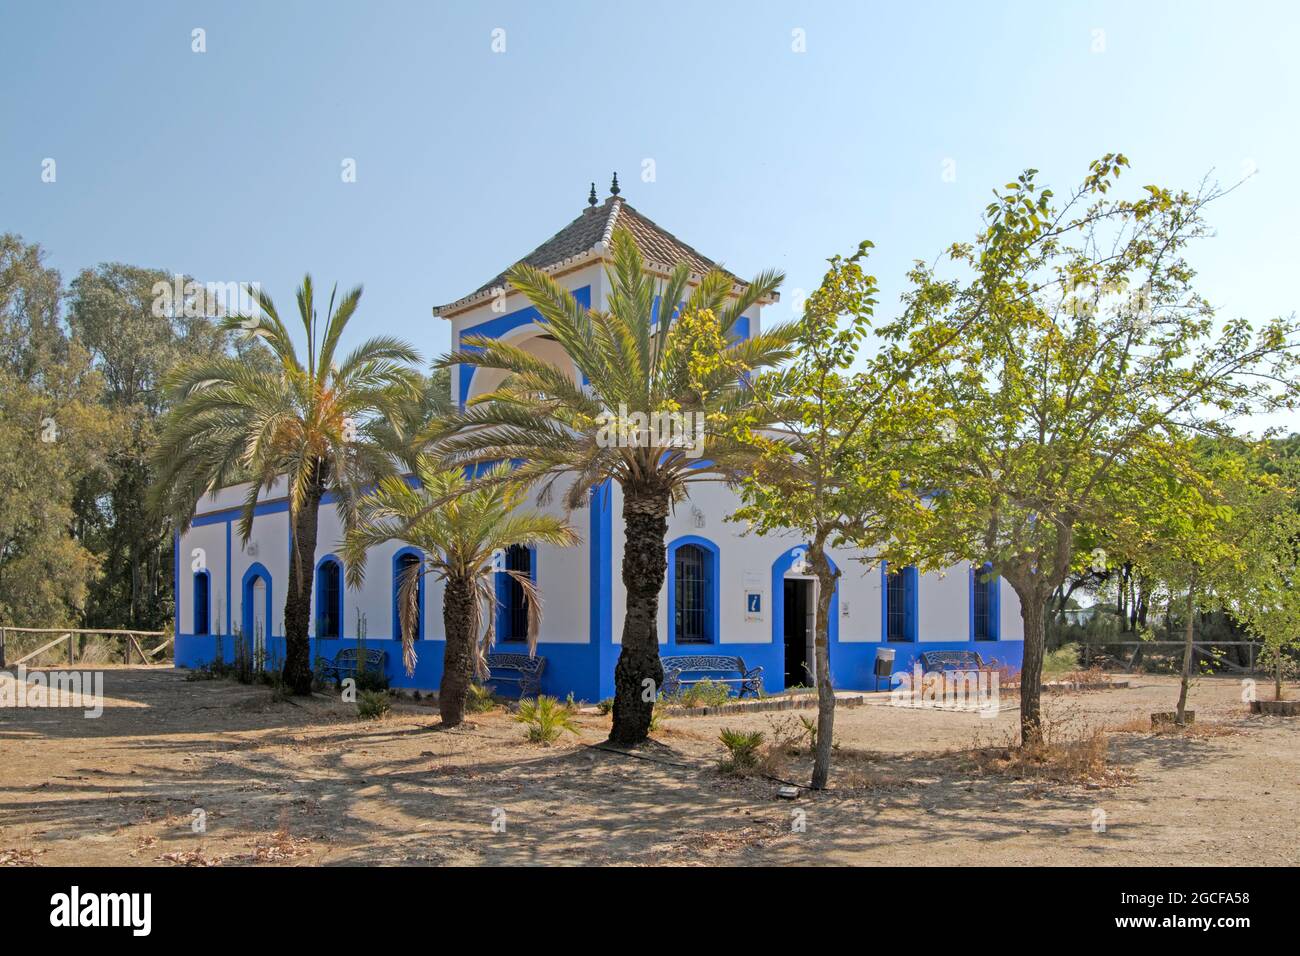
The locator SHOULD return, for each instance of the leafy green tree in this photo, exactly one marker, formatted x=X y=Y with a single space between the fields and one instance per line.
x=1269 y=603
x=1083 y=345
x=833 y=451
x=53 y=434
x=593 y=430
x=1189 y=524
x=134 y=338
x=462 y=532
x=303 y=429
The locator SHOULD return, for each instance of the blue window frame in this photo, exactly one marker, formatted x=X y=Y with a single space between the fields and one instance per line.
x=693 y=591
x=329 y=599
x=901 y=603
x=403 y=561
x=985 y=612
x=512 y=605
x=202 y=602
x=692 y=614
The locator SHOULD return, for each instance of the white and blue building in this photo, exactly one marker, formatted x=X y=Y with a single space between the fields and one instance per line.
x=727 y=592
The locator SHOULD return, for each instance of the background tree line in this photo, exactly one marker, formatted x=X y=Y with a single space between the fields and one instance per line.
x=81 y=398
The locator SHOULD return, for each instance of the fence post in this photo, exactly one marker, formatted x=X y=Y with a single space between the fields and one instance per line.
x=72 y=649
x=2 y=647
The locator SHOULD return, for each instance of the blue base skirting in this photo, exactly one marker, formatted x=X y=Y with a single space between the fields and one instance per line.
x=574 y=668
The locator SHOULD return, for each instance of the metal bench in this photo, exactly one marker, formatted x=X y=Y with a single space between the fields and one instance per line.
x=750 y=679
x=526 y=671
x=345 y=663
x=954 y=661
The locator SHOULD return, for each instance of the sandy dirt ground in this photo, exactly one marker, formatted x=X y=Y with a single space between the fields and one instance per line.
x=306 y=783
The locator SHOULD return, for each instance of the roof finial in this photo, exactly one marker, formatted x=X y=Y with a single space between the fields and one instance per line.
x=613 y=187
x=591 y=196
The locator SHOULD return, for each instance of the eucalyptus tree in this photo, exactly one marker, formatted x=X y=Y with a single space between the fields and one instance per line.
x=462 y=532
x=300 y=428
x=633 y=366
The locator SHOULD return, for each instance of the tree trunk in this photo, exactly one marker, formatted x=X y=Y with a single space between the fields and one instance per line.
x=1181 y=715
x=826 y=577
x=458 y=651
x=297 y=600
x=638 y=673
x=1032 y=612
x=1277 y=675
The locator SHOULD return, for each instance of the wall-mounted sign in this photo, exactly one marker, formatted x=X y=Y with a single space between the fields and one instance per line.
x=753 y=605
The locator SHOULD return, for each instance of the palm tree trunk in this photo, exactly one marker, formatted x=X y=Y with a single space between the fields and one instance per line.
x=458 y=650
x=297 y=600
x=638 y=673
x=825 y=691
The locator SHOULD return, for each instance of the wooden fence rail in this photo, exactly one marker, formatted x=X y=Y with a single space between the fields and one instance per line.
x=70 y=634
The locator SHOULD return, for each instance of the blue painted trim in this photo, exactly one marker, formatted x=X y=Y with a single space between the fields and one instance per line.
x=207 y=610
x=176 y=581
x=970 y=600
x=228 y=514
x=230 y=606
x=317 y=591
x=255 y=570
x=500 y=579
x=501 y=326
x=601 y=583
x=396 y=633
x=714 y=584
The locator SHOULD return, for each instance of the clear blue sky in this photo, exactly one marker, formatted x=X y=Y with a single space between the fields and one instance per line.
x=226 y=164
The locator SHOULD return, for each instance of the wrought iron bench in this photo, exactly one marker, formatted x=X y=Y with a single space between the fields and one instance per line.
x=345 y=663
x=954 y=661
x=527 y=672
x=750 y=679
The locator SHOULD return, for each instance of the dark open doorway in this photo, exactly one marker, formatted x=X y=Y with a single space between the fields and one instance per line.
x=798 y=604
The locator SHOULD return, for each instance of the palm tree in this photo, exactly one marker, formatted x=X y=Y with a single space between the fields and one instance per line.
x=310 y=425
x=559 y=429
x=459 y=538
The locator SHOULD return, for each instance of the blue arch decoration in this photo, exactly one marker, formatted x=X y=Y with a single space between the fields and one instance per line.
x=713 y=585
x=203 y=615
x=396 y=632
x=255 y=570
x=502 y=326
x=780 y=566
x=318 y=593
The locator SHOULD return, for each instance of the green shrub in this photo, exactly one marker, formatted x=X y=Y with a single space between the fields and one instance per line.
x=480 y=699
x=1063 y=660
x=373 y=704
x=742 y=749
x=705 y=693
x=606 y=706
x=546 y=717
x=371 y=680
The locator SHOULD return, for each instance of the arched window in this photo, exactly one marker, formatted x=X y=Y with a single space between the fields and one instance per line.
x=512 y=607
x=404 y=564
x=984 y=604
x=202 y=602
x=329 y=599
x=901 y=604
x=693 y=595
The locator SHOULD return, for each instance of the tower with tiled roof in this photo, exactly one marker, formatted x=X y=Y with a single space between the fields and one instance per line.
x=575 y=256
